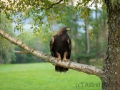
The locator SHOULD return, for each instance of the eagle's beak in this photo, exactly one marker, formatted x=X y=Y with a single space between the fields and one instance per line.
x=68 y=29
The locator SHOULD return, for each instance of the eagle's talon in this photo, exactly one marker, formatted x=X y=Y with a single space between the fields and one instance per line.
x=58 y=58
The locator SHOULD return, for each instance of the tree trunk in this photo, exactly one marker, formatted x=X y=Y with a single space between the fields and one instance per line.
x=111 y=68
x=97 y=32
x=104 y=29
x=87 y=39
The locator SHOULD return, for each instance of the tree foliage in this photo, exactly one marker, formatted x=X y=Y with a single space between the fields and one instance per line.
x=37 y=41
x=42 y=15
x=6 y=48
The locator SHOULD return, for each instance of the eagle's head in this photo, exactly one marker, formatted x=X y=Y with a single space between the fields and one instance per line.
x=64 y=30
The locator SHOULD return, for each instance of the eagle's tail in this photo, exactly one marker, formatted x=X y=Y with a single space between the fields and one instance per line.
x=60 y=69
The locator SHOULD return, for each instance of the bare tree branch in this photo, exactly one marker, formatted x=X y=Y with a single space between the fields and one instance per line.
x=92 y=2
x=72 y=65
x=54 y=4
x=20 y=52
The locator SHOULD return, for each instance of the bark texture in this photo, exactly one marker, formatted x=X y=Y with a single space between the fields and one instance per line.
x=111 y=68
x=72 y=65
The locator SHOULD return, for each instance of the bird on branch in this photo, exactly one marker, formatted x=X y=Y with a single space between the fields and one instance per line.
x=60 y=47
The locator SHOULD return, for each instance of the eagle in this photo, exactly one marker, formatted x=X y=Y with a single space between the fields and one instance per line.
x=60 y=47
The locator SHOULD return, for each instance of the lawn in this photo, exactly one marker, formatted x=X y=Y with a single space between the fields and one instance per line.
x=42 y=76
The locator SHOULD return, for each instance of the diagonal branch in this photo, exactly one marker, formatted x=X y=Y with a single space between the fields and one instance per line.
x=72 y=65
x=54 y=4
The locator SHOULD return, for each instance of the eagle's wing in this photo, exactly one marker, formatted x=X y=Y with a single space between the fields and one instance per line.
x=52 y=46
x=69 y=47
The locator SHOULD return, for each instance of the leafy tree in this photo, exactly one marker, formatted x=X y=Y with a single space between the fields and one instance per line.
x=81 y=48
x=37 y=41
x=110 y=72
x=6 y=48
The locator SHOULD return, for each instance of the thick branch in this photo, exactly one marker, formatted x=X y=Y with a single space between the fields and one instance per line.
x=72 y=65
x=54 y=4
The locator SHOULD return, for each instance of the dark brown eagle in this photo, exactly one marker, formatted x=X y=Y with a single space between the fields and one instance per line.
x=60 y=47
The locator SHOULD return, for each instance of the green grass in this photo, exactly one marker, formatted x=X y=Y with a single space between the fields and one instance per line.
x=41 y=76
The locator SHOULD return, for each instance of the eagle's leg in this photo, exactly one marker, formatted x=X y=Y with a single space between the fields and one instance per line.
x=64 y=58
x=58 y=56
